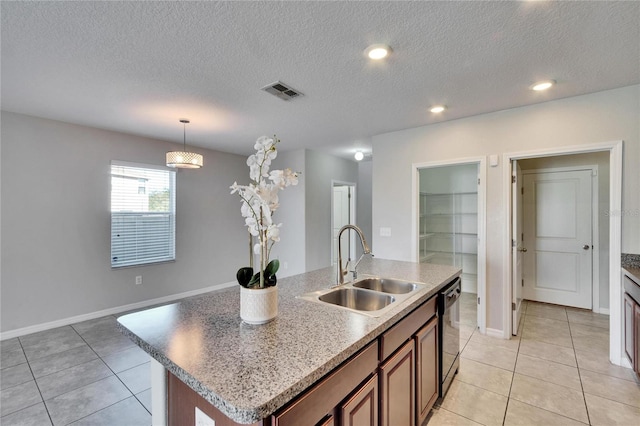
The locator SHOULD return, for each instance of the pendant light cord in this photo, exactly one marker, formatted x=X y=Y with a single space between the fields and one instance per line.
x=184 y=122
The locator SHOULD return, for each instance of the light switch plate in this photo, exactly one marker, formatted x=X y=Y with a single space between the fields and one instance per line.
x=203 y=420
x=385 y=231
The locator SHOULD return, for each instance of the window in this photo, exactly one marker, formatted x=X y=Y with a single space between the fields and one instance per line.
x=143 y=214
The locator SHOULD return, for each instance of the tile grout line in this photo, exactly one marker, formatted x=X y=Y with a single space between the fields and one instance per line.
x=513 y=373
x=116 y=375
x=35 y=382
x=540 y=408
x=102 y=409
x=584 y=398
x=100 y=358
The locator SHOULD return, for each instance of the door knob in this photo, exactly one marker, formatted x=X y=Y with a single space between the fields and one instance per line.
x=586 y=247
x=523 y=249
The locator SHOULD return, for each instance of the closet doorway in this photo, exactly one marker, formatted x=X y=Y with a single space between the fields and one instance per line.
x=450 y=228
x=607 y=297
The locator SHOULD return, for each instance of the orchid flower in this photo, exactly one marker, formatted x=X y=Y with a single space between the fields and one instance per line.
x=260 y=198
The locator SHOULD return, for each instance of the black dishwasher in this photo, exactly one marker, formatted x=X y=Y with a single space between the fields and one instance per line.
x=448 y=334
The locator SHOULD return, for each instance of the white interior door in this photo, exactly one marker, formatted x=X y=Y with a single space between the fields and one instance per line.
x=341 y=217
x=557 y=234
x=517 y=247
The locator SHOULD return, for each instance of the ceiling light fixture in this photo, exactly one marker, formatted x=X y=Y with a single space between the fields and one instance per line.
x=184 y=159
x=377 y=51
x=358 y=156
x=436 y=109
x=542 y=85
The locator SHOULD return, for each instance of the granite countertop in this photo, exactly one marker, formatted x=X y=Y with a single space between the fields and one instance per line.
x=249 y=371
x=631 y=264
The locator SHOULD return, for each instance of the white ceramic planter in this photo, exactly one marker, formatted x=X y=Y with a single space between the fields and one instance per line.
x=258 y=306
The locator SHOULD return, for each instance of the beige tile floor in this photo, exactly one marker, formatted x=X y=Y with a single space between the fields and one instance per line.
x=555 y=372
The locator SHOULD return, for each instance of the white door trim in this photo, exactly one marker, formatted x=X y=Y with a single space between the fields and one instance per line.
x=352 y=217
x=482 y=223
x=595 y=225
x=615 y=234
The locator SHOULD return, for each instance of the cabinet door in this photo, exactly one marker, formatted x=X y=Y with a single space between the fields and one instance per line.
x=426 y=341
x=636 y=324
x=629 y=331
x=362 y=408
x=397 y=384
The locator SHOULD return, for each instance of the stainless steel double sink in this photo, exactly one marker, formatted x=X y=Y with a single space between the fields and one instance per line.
x=372 y=296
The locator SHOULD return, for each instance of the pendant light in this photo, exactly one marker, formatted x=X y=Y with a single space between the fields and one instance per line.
x=184 y=159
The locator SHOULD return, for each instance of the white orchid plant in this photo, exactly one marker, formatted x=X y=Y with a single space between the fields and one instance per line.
x=259 y=202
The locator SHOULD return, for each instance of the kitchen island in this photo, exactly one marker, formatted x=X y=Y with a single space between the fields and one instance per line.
x=248 y=372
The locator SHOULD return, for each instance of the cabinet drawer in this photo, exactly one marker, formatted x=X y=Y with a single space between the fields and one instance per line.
x=393 y=338
x=314 y=405
x=632 y=288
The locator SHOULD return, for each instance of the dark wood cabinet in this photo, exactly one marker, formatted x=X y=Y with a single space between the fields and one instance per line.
x=330 y=420
x=636 y=322
x=426 y=341
x=182 y=402
x=362 y=408
x=631 y=315
x=630 y=332
x=392 y=382
x=321 y=402
x=397 y=388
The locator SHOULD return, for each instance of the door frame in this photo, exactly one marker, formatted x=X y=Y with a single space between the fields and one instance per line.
x=352 y=218
x=595 y=226
x=614 y=148
x=482 y=223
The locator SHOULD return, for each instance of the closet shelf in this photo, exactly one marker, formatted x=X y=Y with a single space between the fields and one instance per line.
x=448 y=214
x=447 y=194
x=439 y=234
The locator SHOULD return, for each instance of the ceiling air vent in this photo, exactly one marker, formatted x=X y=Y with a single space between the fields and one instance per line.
x=282 y=91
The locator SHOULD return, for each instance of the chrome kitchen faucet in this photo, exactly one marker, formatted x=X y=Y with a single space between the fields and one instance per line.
x=366 y=251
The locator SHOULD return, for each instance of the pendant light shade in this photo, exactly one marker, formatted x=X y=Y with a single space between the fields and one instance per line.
x=184 y=159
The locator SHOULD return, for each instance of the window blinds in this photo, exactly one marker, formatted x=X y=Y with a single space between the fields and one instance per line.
x=142 y=214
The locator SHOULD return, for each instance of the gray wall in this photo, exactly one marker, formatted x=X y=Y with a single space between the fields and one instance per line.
x=56 y=222
x=291 y=248
x=320 y=170
x=601 y=159
x=595 y=118
x=363 y=203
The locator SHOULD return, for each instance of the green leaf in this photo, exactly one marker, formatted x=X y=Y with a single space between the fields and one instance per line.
x=244 y=276
x=272 y=268
x=255 y=281
x=271 y=281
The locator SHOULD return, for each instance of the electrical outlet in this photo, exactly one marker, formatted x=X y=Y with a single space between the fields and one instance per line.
x=385 y=231
x=285 y=265
x=138 y=279
x=203 y=420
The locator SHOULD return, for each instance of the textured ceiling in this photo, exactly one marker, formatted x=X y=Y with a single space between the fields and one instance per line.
x=137 y=67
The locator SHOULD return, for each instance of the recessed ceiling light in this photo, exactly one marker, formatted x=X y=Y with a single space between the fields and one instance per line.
x=436 y=109
x=378 y=51
x=542 y=85
x=358 y=156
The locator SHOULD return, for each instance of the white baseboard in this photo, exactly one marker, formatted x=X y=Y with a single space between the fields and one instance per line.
x=624 y=362
x=492 y=332
x=111 y=311
x=604 y=311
